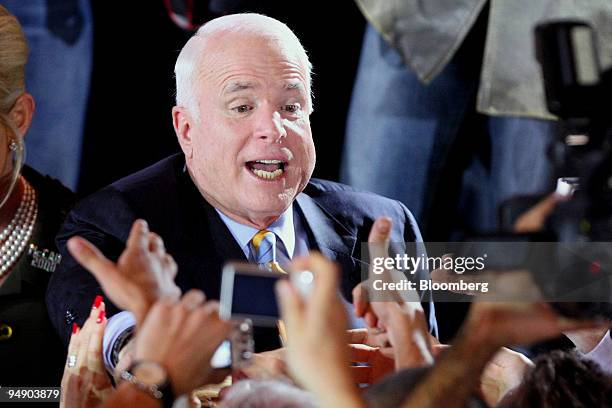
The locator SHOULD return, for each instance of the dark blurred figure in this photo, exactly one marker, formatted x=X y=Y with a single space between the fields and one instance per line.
x=448 y=107
x=562 y=379
x=385 y=393
x=60 y=36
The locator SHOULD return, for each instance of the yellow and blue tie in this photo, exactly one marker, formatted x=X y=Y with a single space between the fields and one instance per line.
x=264 y=245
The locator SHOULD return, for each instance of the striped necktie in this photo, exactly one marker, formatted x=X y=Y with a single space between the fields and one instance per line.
x=264 y=245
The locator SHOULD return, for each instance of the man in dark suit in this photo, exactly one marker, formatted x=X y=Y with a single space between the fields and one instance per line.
x=242 y=120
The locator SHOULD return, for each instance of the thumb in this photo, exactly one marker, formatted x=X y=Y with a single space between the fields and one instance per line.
x=378 y=240
x=360 y=300
x=290 y=304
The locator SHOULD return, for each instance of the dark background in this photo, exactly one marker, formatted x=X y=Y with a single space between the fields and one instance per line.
x=129 y=124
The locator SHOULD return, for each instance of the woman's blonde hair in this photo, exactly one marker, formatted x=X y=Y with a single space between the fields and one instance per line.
x=13 y=58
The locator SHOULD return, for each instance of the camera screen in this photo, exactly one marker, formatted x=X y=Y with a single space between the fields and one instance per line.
x=254 y=295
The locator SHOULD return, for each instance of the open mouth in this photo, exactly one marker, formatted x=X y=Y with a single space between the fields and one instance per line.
x=267 y=169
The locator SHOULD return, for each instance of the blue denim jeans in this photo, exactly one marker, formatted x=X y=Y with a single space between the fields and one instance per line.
x=400 y=133
x=57 y=75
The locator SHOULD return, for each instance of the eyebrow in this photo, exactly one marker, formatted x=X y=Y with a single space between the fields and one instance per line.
x=238 y=87
x=294 y=86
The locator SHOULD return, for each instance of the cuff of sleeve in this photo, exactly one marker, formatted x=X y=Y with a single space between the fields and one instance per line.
x=602 y=353
x=116 y=327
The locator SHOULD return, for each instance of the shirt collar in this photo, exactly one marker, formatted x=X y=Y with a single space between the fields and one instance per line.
x=282 y=227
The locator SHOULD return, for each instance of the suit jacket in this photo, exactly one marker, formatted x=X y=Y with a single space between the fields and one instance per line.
x=337 y=218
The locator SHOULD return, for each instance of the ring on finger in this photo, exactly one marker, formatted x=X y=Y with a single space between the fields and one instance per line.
x=72 y=359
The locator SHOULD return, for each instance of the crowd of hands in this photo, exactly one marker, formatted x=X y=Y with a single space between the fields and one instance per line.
x=182 y=331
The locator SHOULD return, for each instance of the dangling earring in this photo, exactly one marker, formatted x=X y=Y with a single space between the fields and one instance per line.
x=13 y=146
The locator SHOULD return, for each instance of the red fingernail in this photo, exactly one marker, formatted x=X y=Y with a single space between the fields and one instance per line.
x=75 y=328
x=97 y=301
x=101 y=316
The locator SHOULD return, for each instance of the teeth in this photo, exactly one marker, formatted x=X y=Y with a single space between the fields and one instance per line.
x=268 y=175
x=269 y=161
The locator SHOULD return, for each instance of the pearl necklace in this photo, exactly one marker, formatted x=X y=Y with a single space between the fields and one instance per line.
x=14 y=238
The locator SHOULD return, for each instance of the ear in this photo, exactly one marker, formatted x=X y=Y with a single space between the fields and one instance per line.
x=181 y=120
x=21 y=113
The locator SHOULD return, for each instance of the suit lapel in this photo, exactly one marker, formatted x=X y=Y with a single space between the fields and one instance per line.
x=332 y=239
x=207 y=242
x=223 y=240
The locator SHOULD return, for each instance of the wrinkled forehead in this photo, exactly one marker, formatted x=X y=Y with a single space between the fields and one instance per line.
x=268 y=56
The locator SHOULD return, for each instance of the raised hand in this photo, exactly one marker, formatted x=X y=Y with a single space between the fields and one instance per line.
x=316 y=335
x=143 y=274
x=403 y=321
x=85 y=382
x=182 y=337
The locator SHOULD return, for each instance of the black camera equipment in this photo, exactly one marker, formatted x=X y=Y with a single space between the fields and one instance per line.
x=571 y=259
x=576 y=92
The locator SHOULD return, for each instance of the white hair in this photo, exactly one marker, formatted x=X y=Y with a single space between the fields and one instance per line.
x=188 y=62
x=267 y=394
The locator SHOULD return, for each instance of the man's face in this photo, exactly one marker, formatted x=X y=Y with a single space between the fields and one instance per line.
x=252 y=148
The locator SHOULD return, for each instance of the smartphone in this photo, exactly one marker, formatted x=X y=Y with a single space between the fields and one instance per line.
x=247 y=292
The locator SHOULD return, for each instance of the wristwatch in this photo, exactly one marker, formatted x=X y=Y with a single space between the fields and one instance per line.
x=152 y=378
